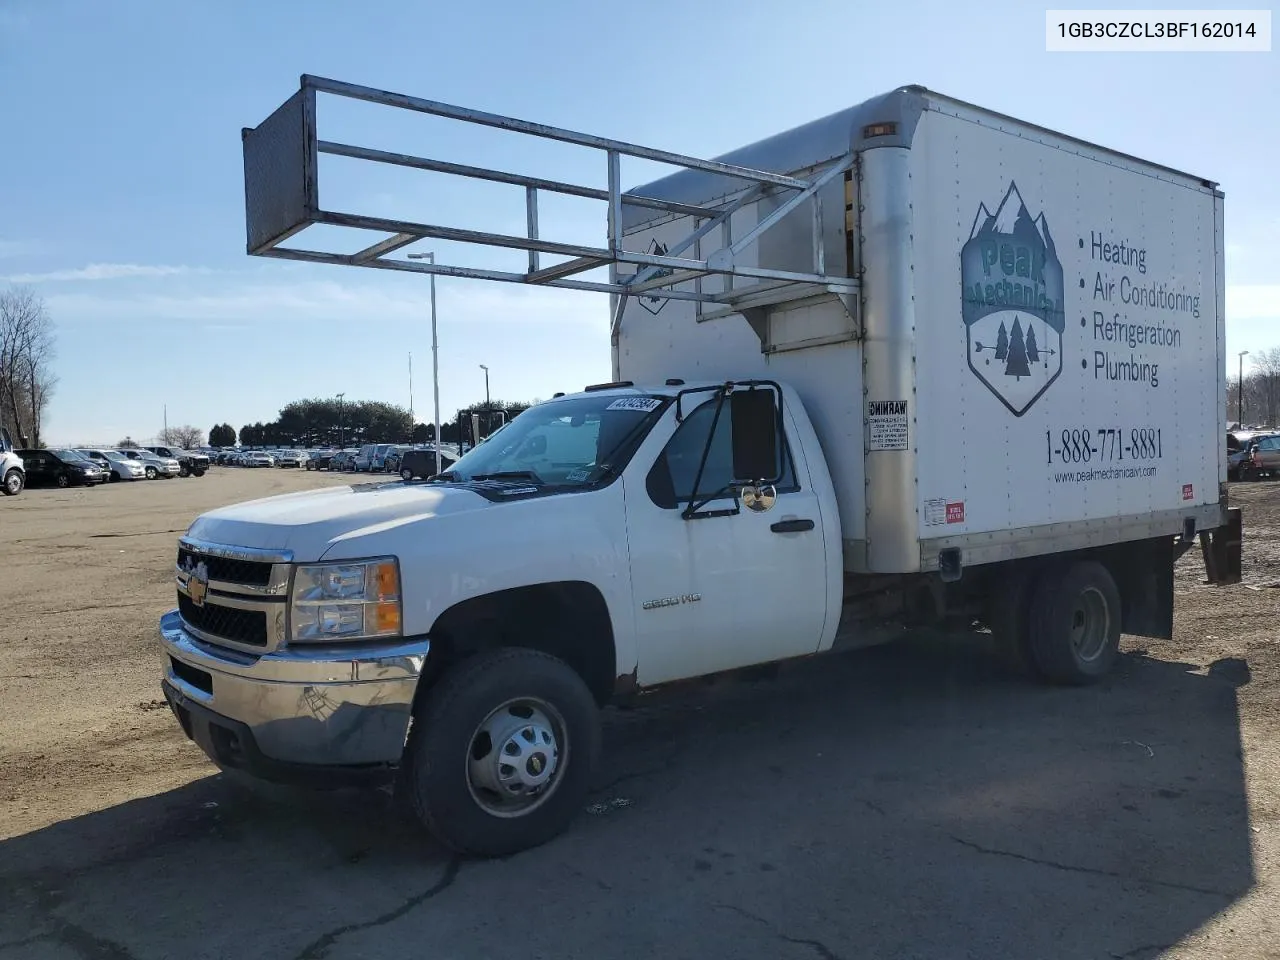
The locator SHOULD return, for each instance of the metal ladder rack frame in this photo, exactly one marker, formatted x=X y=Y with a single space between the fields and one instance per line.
x=281 y=170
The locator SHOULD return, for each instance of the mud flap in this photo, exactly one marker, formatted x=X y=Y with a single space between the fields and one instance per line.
x=1223 y=549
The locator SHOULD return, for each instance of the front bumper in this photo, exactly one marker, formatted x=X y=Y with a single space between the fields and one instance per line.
x=320 y=716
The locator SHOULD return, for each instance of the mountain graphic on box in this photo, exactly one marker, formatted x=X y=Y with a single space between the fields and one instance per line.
x=1013 y=219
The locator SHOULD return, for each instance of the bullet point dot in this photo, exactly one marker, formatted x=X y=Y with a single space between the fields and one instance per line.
x=1084 y=364
x=1082 y=243
x=1082 y=283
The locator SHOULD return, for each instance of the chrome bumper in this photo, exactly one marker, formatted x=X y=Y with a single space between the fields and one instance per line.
x=306 y=708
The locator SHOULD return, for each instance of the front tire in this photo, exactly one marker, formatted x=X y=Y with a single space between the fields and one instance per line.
x=152 y=473
x=63 y=481
x=13 y=483
x=501 y=752
x=1075 y=623
x=406 y=474
x=184 y=470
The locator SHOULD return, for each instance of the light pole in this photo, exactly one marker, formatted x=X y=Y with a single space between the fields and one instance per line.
x=488 y=407
x=435 y=355
x=342 y=436
x=1240 y=390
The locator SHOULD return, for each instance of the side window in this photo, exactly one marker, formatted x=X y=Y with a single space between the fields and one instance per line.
x=1270 y=444
x=670 y=481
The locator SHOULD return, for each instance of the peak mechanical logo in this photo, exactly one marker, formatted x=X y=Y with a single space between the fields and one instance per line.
x=1012 y=302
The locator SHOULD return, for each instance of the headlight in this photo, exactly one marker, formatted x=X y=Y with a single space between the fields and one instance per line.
x=345 y=600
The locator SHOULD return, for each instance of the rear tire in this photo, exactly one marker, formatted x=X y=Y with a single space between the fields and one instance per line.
x=14 y=481
x=1075 y=623
x=541 y=713
x=113 y=477
x=184 y=470
x=1009 y=617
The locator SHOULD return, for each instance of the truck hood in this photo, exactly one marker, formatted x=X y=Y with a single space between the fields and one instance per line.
x=311 y=522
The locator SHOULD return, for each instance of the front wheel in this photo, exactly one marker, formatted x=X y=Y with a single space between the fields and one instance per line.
x=13 y=483
x=1075 y=623
x=501 y=752
x=197 y=472
x=406 y=474
x=184 y=470
x=64 y=481
x=152 y=473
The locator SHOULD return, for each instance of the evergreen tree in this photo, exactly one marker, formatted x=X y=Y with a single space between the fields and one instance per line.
x=1002 y=343
x=1017 y=364
x=1033 y=352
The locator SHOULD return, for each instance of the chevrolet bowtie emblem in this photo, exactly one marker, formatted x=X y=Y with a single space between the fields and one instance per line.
x=198 y=583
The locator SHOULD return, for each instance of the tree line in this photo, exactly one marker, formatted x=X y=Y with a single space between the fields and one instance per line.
x=338 y=423
x=26 y=360
x=1261 y=394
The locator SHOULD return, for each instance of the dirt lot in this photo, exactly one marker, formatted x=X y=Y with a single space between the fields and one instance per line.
x=907 y=802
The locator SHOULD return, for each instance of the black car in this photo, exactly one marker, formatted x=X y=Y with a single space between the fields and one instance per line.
x=60 y=468
x=320 y=460
x=422 y=463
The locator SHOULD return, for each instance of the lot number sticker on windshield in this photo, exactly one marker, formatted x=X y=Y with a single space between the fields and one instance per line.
x=641 y=404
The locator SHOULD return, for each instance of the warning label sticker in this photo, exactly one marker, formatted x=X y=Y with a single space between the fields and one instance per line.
x=887 y=424
x=935 y=512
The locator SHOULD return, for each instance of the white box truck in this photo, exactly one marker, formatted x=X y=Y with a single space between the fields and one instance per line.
x=974 y=373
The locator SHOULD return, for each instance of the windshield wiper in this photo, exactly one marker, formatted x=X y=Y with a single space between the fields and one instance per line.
x=448 y=476
x=508 y=475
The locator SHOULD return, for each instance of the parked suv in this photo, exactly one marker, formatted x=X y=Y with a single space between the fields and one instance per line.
x=153 y=464
x=61 y=467
x=116 y=466
x=13 y=475
x=1263 y=460
x=189 y=463
x=421 y=464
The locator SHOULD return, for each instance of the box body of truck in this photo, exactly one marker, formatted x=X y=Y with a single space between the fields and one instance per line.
x=1034 y=360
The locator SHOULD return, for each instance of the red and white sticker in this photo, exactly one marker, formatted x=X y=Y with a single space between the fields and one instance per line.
x=1188 y=491
x=955 y=512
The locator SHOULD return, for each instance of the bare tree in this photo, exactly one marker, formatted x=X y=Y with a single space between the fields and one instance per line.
x=1266 y=365
x=26 y=359
x=184 y=437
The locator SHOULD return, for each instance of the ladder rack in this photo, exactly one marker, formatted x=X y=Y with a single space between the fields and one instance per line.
x=281 y=169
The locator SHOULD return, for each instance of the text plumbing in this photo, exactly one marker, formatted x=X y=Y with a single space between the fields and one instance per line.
x=1134 y=315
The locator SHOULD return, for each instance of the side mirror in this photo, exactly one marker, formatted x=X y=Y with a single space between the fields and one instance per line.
x=755 y=436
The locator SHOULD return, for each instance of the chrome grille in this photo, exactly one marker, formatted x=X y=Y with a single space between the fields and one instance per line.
x=244 y=601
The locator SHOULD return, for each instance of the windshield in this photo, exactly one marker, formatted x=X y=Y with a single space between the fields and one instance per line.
x=68 y=455
x=573 y=442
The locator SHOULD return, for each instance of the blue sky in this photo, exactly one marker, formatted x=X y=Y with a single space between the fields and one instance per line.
x=121 y=185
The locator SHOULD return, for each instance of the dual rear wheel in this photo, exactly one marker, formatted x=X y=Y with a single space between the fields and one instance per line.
x=1060 y=623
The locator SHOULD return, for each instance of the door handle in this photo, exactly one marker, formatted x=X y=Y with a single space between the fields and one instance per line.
x=791 y=526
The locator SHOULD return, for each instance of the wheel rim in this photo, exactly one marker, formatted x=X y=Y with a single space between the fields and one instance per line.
x=13 y=483
x=406 y=474
x=514 y=757
x=151 y=473
x=63 y=481
x=1090 y=625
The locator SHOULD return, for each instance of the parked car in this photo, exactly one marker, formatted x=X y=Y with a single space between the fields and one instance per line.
x=13 y=474
x=190 y=463
x=391 y=461
x=153 y=465
x=343 y=460
x=291 y=458
x=1263 y=459
x=364 y=459
x=60 y=467
x=116 y=466
x=320 y=460
x=421 y=464
x=259 y=458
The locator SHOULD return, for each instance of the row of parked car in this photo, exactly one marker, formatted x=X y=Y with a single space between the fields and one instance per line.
x=410 y=461
x=1253 y=454
x=77 y=466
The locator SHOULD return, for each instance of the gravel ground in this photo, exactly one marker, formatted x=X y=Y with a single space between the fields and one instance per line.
x=905 y=802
